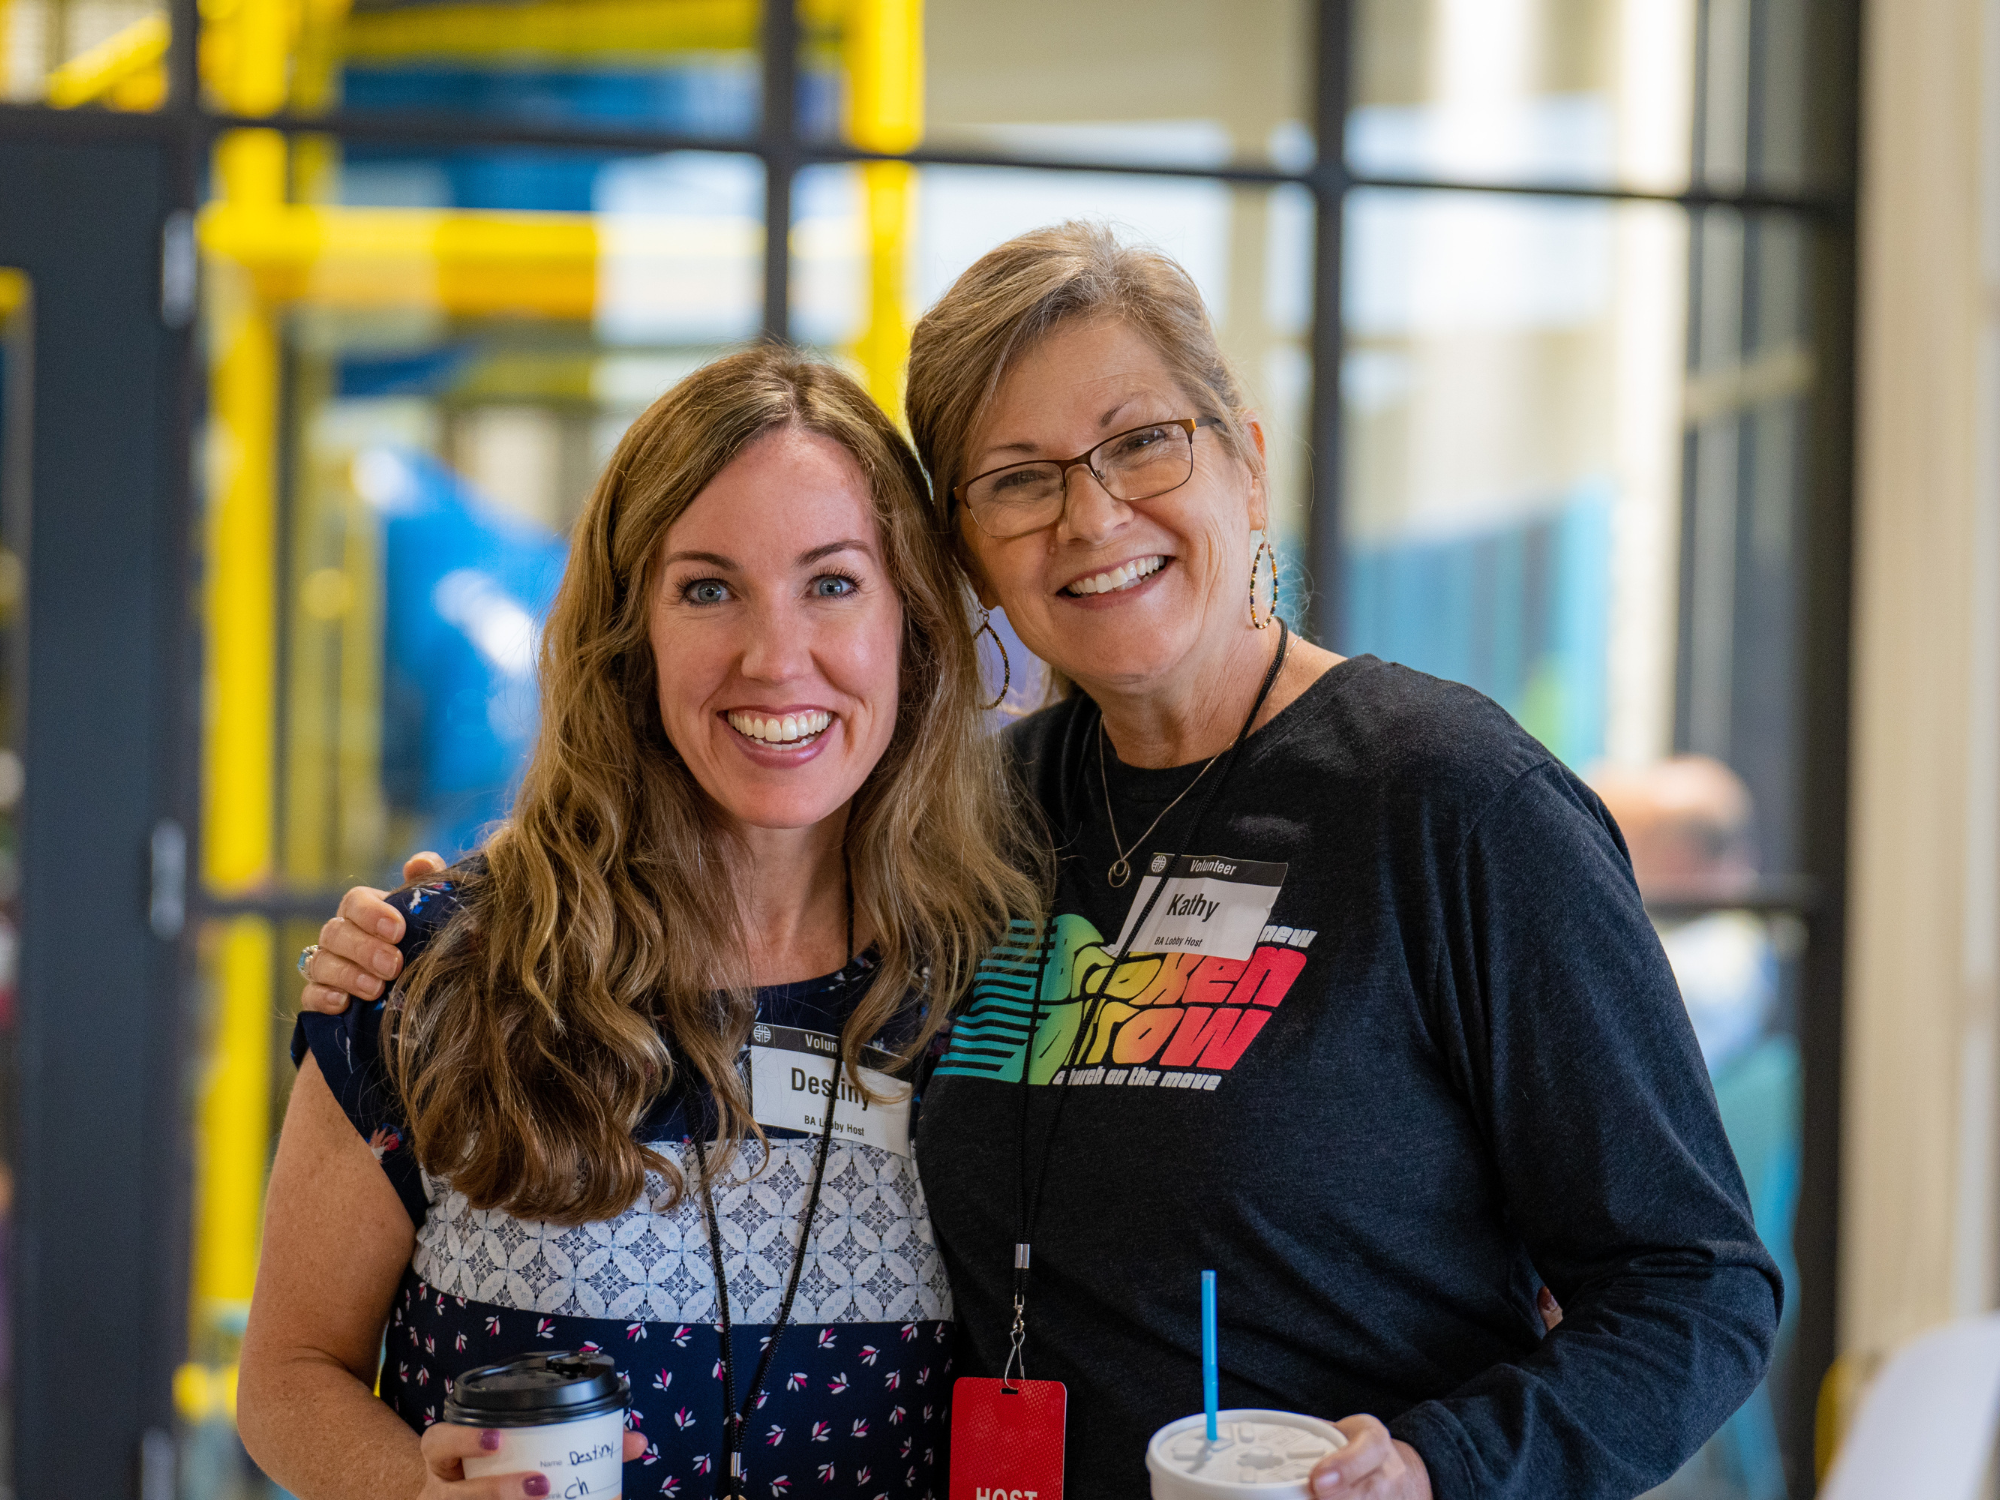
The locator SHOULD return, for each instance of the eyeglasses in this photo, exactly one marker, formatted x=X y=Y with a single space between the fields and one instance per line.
x=1138 y=465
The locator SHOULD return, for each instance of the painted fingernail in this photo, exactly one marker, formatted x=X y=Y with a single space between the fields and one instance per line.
x=535 y=1484
x=490 y=1440
x=387 y=928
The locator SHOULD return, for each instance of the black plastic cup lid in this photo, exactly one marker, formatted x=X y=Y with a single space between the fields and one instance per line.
x=538 y=1390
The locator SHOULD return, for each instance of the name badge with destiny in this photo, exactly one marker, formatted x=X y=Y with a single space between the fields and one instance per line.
x=1211 y=905
x=792 y=1084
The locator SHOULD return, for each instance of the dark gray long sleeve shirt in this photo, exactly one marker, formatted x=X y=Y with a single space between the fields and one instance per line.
x=1448 y=1064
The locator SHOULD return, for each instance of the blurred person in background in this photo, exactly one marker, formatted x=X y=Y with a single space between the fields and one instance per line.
x=1689 y=824
x=1428 y=1064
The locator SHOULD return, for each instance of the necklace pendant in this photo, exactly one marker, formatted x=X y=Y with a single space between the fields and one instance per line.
x=1119 y=873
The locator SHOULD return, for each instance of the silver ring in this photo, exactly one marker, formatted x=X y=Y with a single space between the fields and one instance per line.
x=305 y=957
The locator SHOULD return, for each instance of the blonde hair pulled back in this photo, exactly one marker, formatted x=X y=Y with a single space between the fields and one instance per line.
x=1015 y=295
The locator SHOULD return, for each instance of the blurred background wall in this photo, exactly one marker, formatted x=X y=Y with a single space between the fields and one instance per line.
x=318 y=317
x=1917 y=1225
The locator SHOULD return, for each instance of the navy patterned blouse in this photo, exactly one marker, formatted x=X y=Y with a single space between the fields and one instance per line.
x=856 y=1400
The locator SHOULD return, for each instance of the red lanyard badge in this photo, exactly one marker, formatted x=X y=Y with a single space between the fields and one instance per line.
x=1007 y=1434
x=1007 y=1439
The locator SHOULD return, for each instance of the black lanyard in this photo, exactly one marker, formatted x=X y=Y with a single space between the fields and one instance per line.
x=734 y=1418
x=1028 y=1210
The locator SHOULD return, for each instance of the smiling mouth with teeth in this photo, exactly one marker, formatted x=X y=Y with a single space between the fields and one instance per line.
x=781 y=729
x=1120 y=578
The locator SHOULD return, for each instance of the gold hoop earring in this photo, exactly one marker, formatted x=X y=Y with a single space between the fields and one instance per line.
x=1264 y=551
x=1006 y=665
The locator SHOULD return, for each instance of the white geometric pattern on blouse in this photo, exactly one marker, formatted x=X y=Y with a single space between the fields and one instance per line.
x=872 y=1257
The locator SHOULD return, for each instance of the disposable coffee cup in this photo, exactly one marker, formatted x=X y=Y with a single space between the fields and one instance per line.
x=561 y=1415
x=1257 y=1455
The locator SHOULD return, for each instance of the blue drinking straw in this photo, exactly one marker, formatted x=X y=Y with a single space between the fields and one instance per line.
x=1208 y=1350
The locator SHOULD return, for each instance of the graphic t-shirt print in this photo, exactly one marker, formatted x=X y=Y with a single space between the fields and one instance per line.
x=1205 y=970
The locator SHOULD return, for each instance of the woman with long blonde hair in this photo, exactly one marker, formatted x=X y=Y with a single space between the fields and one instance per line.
x=759 y=818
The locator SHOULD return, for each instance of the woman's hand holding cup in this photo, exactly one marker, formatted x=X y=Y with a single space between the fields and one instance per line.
x=447 y=1445
x=1373 y=1466
x=357 y=948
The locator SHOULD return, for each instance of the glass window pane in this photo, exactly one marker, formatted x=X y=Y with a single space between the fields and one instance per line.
x=1512 y=387
x=1574 y=481
x=1185 y=83
x=1751 y=376
x=75 y=54
x=1581 y=91
x=668 y=65
x=872 y=246
x=1650 y=94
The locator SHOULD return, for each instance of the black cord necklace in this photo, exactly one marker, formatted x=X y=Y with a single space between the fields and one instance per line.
x=735 y=1418
x=1028 y=1205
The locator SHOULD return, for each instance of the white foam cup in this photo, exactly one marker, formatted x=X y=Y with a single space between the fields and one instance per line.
x=1257 y=1455
x=561 y=1415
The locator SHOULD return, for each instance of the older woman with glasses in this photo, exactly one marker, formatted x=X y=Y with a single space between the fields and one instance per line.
x=1345 y=991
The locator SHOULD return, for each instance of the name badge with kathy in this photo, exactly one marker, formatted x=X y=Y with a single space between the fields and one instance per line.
x=1212 y=906
x=792 y=1085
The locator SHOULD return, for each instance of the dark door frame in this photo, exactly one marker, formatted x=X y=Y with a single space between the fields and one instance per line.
x=99 y=1230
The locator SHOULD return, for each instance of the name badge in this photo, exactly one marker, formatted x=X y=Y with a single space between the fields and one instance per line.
x=1212 y=906
x=792 y=1085
x=1007 y=1439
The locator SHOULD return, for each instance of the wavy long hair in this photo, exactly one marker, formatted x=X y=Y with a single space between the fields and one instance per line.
x=601 y=949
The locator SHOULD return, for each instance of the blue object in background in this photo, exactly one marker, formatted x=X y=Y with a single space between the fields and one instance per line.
x=1520 y=612
x=424 y=373
x=719 y=100
x=465 y=590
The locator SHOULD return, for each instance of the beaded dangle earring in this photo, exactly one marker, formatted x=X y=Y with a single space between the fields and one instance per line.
x=1006 y=665
x=1259 y=558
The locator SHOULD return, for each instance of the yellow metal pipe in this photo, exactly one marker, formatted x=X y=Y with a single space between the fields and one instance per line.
x=474 y=264
x=567 y=29
x=321 y=40
x=233 y=1126
x=127 y=69
x=889 y=191
x=584 y=28
x=246 y=52
x=241 y=601
x=883 y=51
